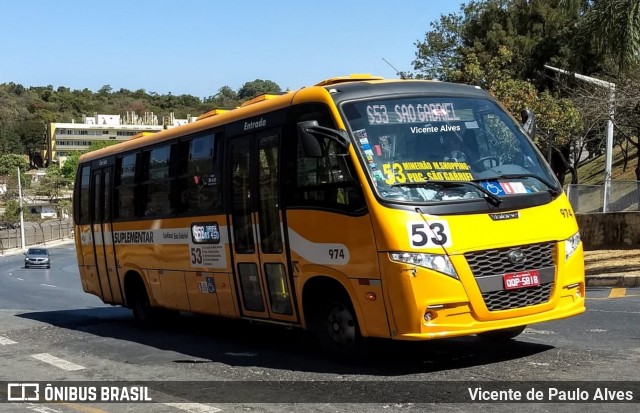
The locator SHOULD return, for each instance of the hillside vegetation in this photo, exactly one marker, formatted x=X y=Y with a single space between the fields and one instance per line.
x=592 y=173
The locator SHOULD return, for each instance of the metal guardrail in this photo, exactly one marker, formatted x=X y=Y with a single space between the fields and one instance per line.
x=624 y=196
x=35 y=234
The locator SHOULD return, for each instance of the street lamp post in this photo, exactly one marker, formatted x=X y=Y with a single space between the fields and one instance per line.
x=609 y=134
x=21 y=212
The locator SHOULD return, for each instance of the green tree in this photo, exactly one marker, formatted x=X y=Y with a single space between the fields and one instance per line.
x=9 y=140
x=105 y=90
x=439 y=54
x=257 y=87
x=32 y=134
x=9 y=163
x=11 y=212
x=68 y=169
x=51 y=185
x=225 y=98
x=612 y=26
x=536 y=32
x=64 y=208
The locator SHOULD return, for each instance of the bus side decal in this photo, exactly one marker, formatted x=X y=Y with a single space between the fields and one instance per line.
x=202 y=254
x=318 y=252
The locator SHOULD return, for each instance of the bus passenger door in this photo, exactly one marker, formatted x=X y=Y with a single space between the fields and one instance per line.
x=259 y=253
x=104 y=253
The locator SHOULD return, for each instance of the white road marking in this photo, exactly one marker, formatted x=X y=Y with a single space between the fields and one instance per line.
x=48 y=285
x=4 y=341
x=194 y=407
x=58 y=362
x=533 y=331
x=18 y=278
x=37 y=408
x=614 y=311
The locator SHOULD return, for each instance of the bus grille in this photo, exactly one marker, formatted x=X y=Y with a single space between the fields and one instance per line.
x=496 y=261
x=523 y=297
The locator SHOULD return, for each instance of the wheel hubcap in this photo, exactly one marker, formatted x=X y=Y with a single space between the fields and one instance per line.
x=341 y=325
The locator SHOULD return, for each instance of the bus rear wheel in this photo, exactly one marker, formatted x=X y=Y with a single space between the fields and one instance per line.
x=505 y=334
x=141 y=306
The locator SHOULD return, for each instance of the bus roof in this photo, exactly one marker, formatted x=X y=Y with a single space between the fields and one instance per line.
x=341 y=88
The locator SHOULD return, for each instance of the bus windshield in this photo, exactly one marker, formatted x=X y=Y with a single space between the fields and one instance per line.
x=434 y=149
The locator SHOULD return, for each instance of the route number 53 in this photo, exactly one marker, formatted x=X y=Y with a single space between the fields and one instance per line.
x=196 y=256
x=436 y=234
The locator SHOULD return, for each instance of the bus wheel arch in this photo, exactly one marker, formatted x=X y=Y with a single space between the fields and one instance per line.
x=330 y=314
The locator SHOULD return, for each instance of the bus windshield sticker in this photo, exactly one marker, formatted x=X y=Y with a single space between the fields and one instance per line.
x=505 y=188
x=513 y=188
x=361 y=135
x=471 y=125
x=494 y=187
x=423 y=171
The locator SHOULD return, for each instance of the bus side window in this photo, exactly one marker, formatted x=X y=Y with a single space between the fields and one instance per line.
x=124 y=186
x=325 y=181
x=157 y=186
x=82 y=202
x=203 y=175
x=179 y=190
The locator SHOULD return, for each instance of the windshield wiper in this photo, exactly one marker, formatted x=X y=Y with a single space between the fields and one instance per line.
x=495 y=199
x=551 y=188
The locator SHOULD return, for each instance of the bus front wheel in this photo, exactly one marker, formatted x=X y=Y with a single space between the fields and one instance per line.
x=336 y=327
x=504 y=334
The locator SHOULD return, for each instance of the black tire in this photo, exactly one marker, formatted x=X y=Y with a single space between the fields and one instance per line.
x=140 y=305
x=26 y=266
x=144 y=312
x=48 y=266
x=504 y=334
x=336 y=326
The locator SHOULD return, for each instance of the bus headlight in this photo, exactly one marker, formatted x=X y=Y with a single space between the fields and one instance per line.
x=571 y=245
x=436 y=262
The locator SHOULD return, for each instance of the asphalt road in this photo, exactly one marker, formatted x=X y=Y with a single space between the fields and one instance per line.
x=51 y=331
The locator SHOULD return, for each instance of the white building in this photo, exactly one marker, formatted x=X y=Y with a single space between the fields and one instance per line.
x=66 y=138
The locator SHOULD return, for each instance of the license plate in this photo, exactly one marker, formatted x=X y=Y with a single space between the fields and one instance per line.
x=521 y=279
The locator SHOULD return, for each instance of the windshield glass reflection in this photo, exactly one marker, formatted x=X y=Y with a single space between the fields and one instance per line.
x=430 y=149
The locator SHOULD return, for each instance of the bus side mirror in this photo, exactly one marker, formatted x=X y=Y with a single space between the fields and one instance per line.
x=310 y=144
x=310 y=135
x=528 y=122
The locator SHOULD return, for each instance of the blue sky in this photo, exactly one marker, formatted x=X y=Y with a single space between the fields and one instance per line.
x=197 y=46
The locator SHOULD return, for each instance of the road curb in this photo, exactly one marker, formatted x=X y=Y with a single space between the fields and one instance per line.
x=15 y=251
x=613 y=280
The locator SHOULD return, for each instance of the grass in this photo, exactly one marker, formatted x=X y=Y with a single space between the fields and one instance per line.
x=624 y=260
x=592 y=173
